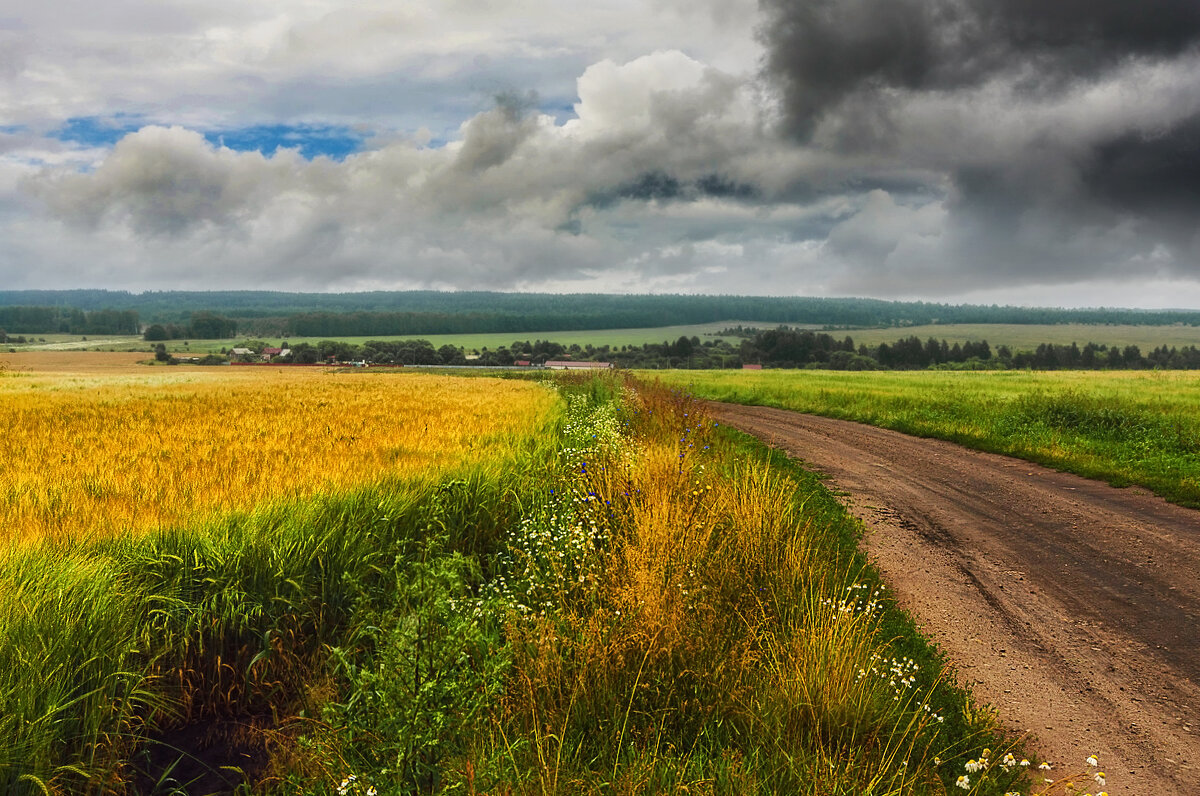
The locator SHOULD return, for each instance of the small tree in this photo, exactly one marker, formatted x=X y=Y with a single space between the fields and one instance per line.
x=305 y=354
x=451 y=355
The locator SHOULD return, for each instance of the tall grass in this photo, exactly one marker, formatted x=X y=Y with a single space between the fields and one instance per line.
x=1122 y=427
x=108 y=640
x=619 y=598
x=106 y=643
x=687 y=613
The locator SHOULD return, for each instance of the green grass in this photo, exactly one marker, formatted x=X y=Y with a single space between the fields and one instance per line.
x=737 y=642
x=1027 y=337
x=1015 y=336
x=598 y=337
x=1131 y=427
x=75 y=342
x=104 y=646
x=633 y=602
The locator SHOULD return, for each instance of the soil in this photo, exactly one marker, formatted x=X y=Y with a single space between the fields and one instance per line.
x=212 y=757
x=1069 y=605
x=72 y=361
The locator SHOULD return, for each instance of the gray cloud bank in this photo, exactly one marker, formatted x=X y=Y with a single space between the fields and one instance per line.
x=1067 y=133
x=893 y=148
x=633 y=191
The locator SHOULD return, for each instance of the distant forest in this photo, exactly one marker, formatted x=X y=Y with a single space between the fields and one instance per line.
x=67 y=320
x=271 y=314
x=790 y=348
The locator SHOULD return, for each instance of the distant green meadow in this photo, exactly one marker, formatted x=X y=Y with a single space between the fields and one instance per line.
x=1016 y=336
x=1029 y=336
x=1124 y=427
x=614 y=338
x=75 y=342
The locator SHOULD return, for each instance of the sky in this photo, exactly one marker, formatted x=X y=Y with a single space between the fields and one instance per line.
x=967 y=151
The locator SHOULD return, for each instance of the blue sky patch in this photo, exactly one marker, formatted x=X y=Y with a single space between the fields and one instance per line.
x=562 y=112
x=96 y=131
x=332 y=141
x=312 y=140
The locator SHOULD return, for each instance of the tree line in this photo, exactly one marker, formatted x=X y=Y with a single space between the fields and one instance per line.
x=200 y=326
x=775 y=348
x=23 y=320
x=435 y=312
x=801 y=348
x=67 y=320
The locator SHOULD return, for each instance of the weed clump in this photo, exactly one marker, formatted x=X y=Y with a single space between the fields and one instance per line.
x=704 y=621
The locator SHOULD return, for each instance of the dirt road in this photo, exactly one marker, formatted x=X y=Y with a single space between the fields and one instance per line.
x=1069 y=605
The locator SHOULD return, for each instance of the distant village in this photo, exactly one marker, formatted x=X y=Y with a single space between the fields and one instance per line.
x=419 y=353
x=782 y=347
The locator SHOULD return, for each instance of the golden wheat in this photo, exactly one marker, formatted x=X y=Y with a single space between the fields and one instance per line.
x=103 y=453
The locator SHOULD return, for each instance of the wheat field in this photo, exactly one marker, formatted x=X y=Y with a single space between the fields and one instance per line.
x=91 y=451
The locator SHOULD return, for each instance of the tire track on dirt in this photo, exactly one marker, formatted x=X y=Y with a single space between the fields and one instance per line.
x=1069 y=605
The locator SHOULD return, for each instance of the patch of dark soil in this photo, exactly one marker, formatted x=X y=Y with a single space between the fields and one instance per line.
x=207 y=758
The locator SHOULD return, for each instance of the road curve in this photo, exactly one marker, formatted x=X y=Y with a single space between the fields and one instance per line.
x=1069 y=605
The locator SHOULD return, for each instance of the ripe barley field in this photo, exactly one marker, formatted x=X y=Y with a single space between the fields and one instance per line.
x=97 y=446
x=181 y=545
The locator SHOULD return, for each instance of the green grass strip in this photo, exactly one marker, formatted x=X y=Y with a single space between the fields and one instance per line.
x=1126 y=428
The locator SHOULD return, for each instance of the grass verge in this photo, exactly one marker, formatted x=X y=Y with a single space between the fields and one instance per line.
x=111 y=650
x=1121 y=427
x=679 y=610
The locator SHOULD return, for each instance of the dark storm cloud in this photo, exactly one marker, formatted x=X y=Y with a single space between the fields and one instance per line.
x=823 y=52
x=720 y=186
x=1098 y=31
x=652 y=186
x=1125 y=199
x=660 y=186
x=1157 y=172
x=1063 y=135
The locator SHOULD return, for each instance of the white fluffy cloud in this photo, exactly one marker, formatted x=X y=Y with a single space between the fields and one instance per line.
x=616 y=145
x=517 y=198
